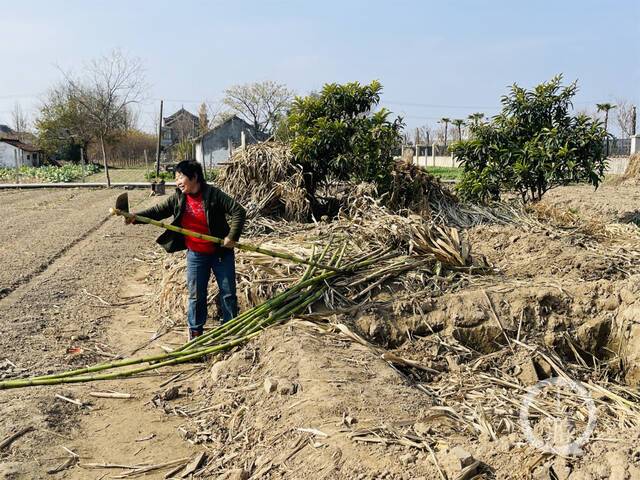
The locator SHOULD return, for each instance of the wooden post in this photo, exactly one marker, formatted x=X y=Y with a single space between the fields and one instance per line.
x=146 y=162
x=82 y=162
x=159 y=140
x=230 y=147
x=204 y=162
x=243 y=140
x=15 y=154
x=417 y=148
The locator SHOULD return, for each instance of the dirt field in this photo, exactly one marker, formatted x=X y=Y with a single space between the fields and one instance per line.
x=78 y=287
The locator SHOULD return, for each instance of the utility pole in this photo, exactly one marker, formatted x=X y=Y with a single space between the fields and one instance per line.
x=82 y=161
x=633 y=120
x=159 y=142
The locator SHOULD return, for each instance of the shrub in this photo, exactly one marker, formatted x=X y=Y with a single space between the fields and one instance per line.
x=337 y=134
x=533 y=145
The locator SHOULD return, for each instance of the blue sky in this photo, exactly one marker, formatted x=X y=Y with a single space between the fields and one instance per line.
x=434 y=59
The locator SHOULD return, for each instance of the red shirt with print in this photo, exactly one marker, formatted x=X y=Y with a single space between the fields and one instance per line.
x=194 y=219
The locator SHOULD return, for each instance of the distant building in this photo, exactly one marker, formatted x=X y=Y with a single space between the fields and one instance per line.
x=216 y=145
x=14 y=151
x=7 y=132
x=183 y=125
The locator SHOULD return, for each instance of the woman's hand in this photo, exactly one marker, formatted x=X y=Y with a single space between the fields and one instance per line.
x=228 y=243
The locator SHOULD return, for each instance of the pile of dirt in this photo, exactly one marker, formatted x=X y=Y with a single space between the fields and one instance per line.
x=427 y=373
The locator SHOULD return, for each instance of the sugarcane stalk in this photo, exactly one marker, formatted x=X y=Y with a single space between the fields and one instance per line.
x=285 y=312
x=241 y=246
x=171 y=358
x=232 y=326
x=32 y=382
x=237 y=331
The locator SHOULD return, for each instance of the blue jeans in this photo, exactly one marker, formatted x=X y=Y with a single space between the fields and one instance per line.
x=199 y=267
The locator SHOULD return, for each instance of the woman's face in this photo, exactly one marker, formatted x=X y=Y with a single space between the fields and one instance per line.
x=187 y=185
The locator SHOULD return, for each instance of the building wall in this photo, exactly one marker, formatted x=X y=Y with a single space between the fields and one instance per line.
x=8 y=159
x=25 y=159
x=616 y=165
x=213 y=148
x=436 y=161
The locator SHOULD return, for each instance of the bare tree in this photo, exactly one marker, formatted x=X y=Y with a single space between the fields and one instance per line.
x=260 y=104
x=625 y=117
x=111 y=86
x=426 y=134
x=19 y=120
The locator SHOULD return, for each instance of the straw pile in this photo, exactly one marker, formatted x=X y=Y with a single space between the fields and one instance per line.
x=264 y=178
x=632 y=173
x=420 y=249
x=481 y=396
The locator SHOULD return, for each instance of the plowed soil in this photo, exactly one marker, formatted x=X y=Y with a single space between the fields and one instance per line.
x=76 y=288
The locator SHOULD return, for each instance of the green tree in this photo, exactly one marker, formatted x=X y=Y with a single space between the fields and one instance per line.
x=458 y=122
x=338 y=134
x=446 y=122
x=605 y=107
x=476 y=118
x=61 y=127
x=533 y=145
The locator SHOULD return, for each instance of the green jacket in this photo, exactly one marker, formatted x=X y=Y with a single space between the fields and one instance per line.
x=217 y=204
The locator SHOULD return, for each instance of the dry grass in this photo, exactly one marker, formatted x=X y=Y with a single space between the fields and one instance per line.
x=265 y=180
x=632 y=173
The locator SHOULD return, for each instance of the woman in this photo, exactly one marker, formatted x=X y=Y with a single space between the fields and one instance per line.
x=202 y=208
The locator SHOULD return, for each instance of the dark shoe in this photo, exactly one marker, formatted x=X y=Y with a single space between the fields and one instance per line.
x=194 y=334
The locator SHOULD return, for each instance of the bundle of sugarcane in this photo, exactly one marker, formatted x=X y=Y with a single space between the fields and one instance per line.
x=237 y=331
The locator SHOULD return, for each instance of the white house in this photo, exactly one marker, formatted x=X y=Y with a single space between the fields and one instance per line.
x=216 y=145
x=14 y=152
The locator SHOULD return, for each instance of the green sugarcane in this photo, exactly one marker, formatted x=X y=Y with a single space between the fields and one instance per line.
x=256 y=311
x=241 y=246
x=251 y=323
x=172 y=358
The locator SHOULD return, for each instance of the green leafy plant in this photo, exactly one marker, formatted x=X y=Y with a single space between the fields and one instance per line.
x=533 y=145
x=64 y=174
x=183 y=150
x=337 y=134
x=151 y=176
